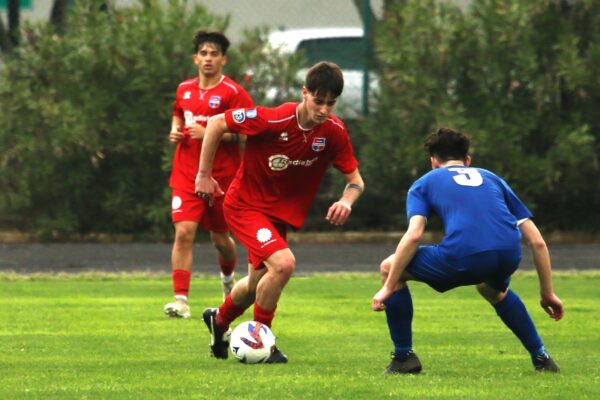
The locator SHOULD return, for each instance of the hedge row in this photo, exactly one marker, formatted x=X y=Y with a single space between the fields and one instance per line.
x=85 y=116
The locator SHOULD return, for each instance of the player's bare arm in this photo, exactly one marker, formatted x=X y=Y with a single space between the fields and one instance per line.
x=176 y=133
x=206 y=185
x=541 y=258
x=339 y=211
x=197 y=132
x=404 y=253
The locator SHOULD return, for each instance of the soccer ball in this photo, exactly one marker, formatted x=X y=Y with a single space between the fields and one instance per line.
x=252 y=342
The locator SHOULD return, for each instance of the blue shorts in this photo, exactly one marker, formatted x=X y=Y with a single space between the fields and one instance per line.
x=442 y=273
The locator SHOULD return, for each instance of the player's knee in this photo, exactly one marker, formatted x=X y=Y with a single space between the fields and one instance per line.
x=492 y=295
x=281 y=265
x=184 y=234
x=285 y=268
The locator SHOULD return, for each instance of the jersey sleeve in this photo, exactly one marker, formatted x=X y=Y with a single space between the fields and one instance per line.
x=247 y=121
x=416 y=200
x=177 y=110
x=514 y=204
x=241 y=100
x=344 y=159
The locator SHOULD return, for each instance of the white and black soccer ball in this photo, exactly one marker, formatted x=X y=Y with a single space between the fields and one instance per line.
x=252 y=342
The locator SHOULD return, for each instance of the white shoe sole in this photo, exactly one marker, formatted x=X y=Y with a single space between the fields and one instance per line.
x=175 y=313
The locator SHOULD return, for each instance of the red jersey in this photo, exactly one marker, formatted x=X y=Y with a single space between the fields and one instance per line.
x=283 y=163
x=195 y=105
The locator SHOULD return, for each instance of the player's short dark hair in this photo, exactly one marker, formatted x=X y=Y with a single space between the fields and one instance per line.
x=447 y=144
x=325 y=78
x=217 y=38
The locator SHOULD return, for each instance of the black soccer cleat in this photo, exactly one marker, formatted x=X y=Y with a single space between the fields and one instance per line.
x=219 y=339
x=410 y=365
x=276 y=357
x=545 y=363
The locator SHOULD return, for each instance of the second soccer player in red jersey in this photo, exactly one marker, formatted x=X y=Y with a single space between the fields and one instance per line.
x=196 y=101
x=288 y=150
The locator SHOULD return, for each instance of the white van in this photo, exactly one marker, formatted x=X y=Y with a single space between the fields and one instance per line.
x=343 y=46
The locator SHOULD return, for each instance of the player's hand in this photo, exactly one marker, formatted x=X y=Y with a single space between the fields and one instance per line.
x=196 y=131
x=553 y=306
x=207 y=188
x=338 y=213
x=175 y=137
x=381 y=296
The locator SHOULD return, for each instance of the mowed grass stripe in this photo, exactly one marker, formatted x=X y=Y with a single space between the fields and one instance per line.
x=104 y=336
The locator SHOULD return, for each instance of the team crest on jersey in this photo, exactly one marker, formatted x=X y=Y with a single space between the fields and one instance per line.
x=318 y=144
x=251 y=113
x=187 y=95
x=283 y=136
x=239 y=115
x=214 y=101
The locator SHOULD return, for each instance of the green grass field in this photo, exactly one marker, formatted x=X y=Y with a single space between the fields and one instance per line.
x=105 y=337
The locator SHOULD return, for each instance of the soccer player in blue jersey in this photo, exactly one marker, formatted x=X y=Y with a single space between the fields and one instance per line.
x=483 y=222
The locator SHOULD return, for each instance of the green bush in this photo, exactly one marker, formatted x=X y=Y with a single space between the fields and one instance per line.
x=520 y=77
x=85 y=117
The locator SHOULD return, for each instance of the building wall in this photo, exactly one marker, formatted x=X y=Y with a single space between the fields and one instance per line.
x=40 y=9
x=283 y=14
x=245 y=14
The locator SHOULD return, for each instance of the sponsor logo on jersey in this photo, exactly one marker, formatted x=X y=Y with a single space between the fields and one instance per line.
x=280 y=162
x=283 y=136
x=214 y=101
x=318 y=144
x=187 y=95
x=251 y=113
x=176 y=203
x=191 y=119
x=239 y=115
x=264 y=235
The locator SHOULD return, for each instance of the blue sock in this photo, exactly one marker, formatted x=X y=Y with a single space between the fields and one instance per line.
x=514 y=314
x=399 y=313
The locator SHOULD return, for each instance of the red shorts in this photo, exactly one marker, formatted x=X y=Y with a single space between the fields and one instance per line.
x=189 y=207
x=258 y=233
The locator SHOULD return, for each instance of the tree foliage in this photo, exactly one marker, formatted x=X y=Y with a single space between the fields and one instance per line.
x=85 y=116
x=520 y=77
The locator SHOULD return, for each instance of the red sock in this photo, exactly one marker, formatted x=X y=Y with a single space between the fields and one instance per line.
x=181 y=281
x=264 y=316
x=227 y=267
x=228 y=312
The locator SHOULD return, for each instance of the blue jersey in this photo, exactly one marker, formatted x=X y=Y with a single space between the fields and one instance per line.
x=478 y=209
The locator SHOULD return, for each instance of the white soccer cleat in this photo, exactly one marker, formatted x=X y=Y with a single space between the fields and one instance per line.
x=178 y=309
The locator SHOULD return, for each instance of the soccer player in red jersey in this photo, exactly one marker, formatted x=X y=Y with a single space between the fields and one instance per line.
x=288 y=150
x=196 y=101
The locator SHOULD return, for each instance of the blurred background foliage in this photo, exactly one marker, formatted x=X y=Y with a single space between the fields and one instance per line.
x=86 y=109
x=520 y=77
